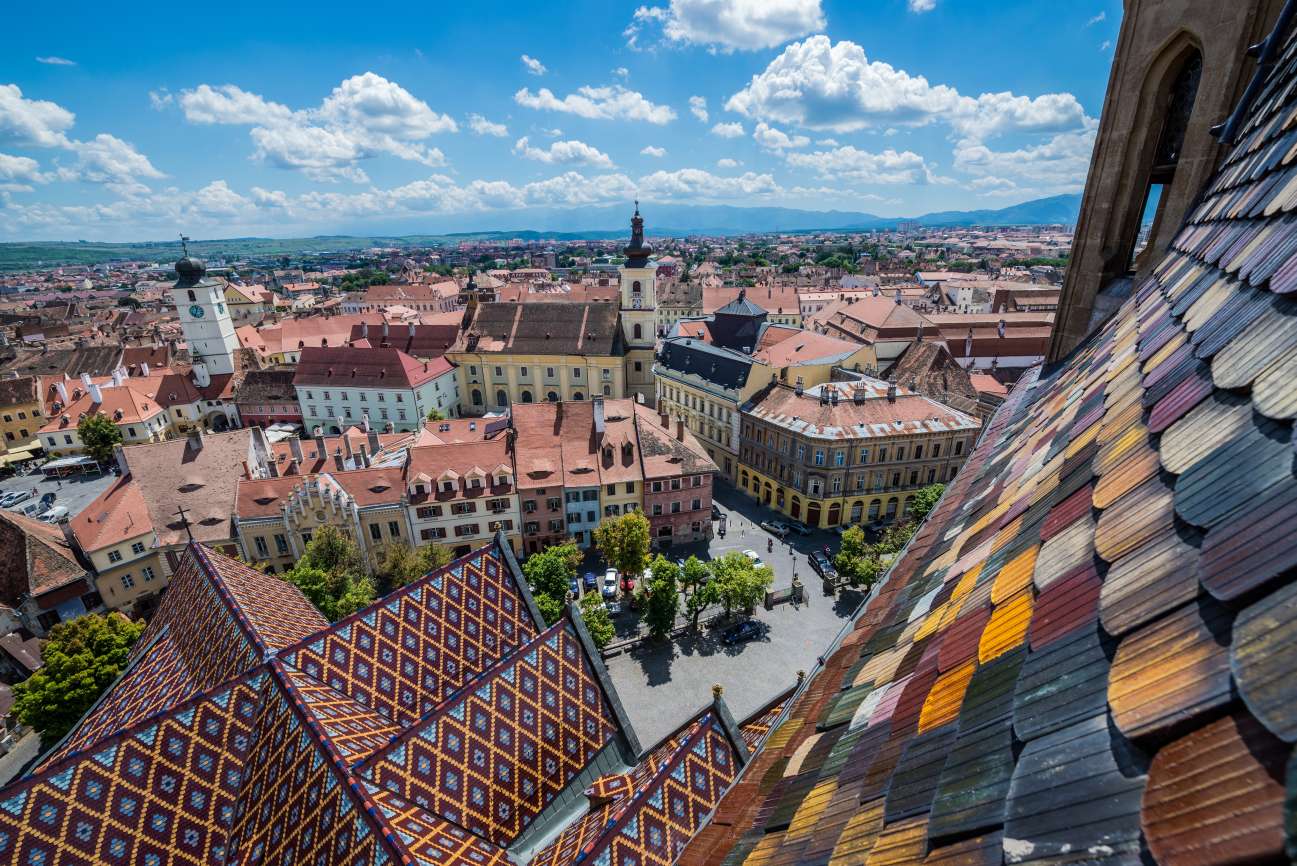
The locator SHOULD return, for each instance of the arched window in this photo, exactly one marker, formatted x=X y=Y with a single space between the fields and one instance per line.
x=891 y=508
x=1170 y=111
x=192 y=297
x=635 y=287
x=639 y=331
x=477 y=397
x=501 y=398
x=526 y=396
x=552 y=396
x=578 y=396
x=607 y=390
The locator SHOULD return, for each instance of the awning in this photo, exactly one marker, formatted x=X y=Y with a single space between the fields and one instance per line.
x=68 y=463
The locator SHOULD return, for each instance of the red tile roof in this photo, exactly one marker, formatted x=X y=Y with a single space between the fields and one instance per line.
x=351 y=367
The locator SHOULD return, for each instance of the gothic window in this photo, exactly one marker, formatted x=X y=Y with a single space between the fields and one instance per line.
x=639 y=329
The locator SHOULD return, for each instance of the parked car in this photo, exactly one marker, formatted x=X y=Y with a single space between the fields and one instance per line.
x=54 y=514
x=775 y=528
x=800 y=528
x=575 y=586
x=591 y=582
x=628 y=583
x=610 y=583
x=48 y=499
x=756 y=559
x=741 y=633
x=823 y=565
x=31 y=509
x=13 y=498
x=716 y=512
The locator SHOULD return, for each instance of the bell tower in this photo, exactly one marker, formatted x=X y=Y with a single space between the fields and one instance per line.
x=206 y=321
x=639 y=311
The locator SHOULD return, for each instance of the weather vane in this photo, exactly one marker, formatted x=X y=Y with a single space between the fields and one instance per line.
x=184 y=244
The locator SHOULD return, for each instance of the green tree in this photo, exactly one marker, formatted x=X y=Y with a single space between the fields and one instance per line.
x=857 y=560
x=99 y=436
x=925 y=500
x=331 y=575
x=740 y=584
x=694 y=574
x=549 y=574
x=662 y=597
x=697 y=602
x=399 y=564
x=597 y=621
x=81 y=658
x=624 y=542
x=436 y=415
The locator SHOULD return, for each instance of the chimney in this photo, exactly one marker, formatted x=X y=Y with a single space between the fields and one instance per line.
x=665 y=419
x=364 y=421
x=898 y=296
x=412 y=330
x=96 y=393
x=364 y=330
x=373 y=442
x=346 y=442
x=364 y=456
x=598 y=418
x=1000 y=328
x=858 y=395
x=118 y=376
x=385 y=330
x=968 y=344
x=337 y=459
x=680 y=429
x=196 y=439
x=295 y=448
x=891 y=392
x=320 y=453
x=201 y=377
x=63 y=392
x=144 y=369
x=85 y=381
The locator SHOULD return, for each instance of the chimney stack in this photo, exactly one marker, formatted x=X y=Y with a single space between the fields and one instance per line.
x=373 y=442
x=320 y=452
x=364 y=330
x=665 y=419
x=144 y=369
x=295 y=448
x=364 y=456
x=85 y=381
x=1000 y=328
x=680 y=429
x=196 y=439
x=96 y=393
x=891 y=392
x=63 y=392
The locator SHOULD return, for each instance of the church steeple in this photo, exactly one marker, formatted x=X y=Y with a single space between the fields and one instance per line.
x=637 y=252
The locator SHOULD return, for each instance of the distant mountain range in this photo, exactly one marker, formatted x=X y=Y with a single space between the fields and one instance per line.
x=678 y=220
x=664 y=220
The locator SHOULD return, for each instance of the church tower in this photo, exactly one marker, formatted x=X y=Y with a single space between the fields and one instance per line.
x=639 y=311
x=205 y=319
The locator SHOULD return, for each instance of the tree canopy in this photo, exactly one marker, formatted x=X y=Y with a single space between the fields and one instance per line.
x=82 y=657
x=662 y=597
x=739 y=583
x=624 y=542
x=857 y=560
x=549 y=573
x=925 y=500
x=99 y=436
x=597 y=621
x=331 y=575
x=399 y=564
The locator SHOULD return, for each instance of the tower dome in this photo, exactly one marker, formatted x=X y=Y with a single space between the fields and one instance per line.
x=637 y=252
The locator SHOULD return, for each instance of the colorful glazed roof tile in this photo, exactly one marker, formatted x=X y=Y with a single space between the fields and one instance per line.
x=436 y=727
x=1086 y=652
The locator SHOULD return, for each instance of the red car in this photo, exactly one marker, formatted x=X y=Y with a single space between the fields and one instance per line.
x=627 y=584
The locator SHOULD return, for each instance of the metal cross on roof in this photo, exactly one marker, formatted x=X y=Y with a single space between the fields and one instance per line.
x=184 y=244
x=184 y=521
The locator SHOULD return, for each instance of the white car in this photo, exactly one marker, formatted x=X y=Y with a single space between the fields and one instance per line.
x=756 y=559
x=610 y=583
x=55 y=514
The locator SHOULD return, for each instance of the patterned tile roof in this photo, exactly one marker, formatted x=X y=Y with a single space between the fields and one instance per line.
x=432 y=728
x=1086 y=652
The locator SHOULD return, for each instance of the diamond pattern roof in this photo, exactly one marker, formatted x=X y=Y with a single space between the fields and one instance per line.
x=1086 y=652
x=431 y=728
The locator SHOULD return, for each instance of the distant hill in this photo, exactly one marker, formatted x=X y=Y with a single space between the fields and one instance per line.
x=598 y=223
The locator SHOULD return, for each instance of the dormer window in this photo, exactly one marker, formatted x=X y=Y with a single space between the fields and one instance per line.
x=448 y=487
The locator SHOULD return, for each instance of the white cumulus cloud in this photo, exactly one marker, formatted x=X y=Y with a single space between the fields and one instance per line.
x=32 y=122
x=1055 y=166
x=821 y=85
x=652 y=150
x=364 y=116
x=56 y=61
x=861 y=166
x=598 y=103
x=534 y=66
x=726 y=162
x=728 y=130
x=921 y=6
x=570 y=152
x=776 y=139
x=698 y=107
x=481 y=126
x=729 y=25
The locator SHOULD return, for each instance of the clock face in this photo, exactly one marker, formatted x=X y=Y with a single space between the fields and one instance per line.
x=196 y=311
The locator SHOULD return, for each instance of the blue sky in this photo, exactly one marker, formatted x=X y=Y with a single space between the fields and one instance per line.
x=283 y=118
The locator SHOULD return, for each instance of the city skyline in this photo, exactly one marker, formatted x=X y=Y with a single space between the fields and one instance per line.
x=121 y=128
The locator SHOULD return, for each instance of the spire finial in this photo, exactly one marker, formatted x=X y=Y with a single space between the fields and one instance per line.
x=636 y=207
x=184 y=244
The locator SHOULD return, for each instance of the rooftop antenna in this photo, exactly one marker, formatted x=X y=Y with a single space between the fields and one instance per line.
x=184 y=520
x=184 y=244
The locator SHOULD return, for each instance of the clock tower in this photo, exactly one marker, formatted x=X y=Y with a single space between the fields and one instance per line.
x=639 y=311
x=205 y=319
